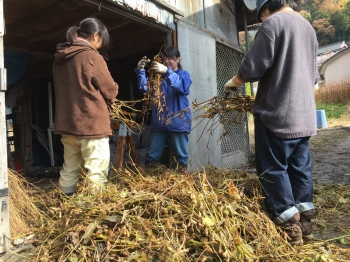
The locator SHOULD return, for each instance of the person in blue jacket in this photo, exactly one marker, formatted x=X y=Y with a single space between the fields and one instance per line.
x=175 y=86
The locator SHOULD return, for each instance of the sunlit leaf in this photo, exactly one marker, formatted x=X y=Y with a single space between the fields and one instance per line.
x=342 y=200
x=209 y=221
x=344 y=241
x=88 y=231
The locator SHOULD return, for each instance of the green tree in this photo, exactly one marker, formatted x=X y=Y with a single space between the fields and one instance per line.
x=339 y=20
x=319 y=14
x=306 y=15
x=347 y=9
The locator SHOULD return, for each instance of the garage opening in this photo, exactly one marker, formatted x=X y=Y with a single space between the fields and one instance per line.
x=33 y=29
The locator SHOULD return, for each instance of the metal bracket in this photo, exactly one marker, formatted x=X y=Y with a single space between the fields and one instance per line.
x=3 y=206
x=3 y=79
x=2 y=20
x=4 y=192
x=123 y=131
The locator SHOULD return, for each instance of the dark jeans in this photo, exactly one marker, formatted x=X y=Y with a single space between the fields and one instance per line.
x=284 y=169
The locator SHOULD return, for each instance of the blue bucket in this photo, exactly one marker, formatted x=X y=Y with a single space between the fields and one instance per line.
x=321 y=119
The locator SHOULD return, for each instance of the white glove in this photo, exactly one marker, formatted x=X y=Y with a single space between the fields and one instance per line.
x=158 y=68
x=141 y=64
x=232 y=85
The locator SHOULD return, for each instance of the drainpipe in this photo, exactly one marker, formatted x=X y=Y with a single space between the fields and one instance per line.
x=246 y=42
x=250 y=84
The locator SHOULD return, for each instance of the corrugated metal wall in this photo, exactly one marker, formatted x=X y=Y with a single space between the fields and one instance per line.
x=149 y=9
x=198 y=58
x=216 y=16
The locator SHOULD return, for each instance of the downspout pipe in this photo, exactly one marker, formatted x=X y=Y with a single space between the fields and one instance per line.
x=246 y=42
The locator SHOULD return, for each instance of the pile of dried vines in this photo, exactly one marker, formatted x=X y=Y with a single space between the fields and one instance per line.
x=169 y=217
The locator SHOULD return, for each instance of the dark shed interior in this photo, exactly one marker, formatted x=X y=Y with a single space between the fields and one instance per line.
x=33 y=29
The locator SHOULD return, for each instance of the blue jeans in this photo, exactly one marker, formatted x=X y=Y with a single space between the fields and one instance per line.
x=284 y=170
x=178 y=142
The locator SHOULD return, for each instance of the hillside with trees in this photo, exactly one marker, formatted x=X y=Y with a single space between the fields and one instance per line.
x=329 y=18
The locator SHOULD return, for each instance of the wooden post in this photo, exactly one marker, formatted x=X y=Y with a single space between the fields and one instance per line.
x=132 y=149
x=121 y=143
x=4 y=191
x=124 y=139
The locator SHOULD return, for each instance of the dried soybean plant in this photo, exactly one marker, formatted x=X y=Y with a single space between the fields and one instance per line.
x=154 y=94
x=118 y=113
x=170 y=217
x=220 y=110
x=231 y=102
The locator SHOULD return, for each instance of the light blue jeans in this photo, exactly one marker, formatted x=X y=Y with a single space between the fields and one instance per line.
x=178 y=141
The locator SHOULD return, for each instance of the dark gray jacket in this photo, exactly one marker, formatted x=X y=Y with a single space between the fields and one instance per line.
x=283 y=60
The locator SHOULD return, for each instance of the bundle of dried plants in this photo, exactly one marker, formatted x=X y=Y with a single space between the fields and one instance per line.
x=125 y=112
x=25 y=216
x=154 y=95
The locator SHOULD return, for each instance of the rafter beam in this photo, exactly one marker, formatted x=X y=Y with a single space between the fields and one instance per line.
x=56 y=31
x=25 y=21
x=125 y=13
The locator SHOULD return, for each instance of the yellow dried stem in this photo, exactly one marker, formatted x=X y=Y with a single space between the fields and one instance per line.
x=154 y=94
x=118 y=113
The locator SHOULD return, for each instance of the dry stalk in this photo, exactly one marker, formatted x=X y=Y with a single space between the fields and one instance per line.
x=118 y=113
x=217 y=111
x=24 y=214
x=169 y=217
x=154 y=95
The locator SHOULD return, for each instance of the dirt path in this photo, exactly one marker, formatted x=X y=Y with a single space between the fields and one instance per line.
x=330 y=150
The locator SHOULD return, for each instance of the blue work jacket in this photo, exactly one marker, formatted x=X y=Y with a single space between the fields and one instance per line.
x=176 y=87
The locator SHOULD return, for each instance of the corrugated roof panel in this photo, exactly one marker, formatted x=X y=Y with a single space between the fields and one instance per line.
x=149 y=9
x=331 y=47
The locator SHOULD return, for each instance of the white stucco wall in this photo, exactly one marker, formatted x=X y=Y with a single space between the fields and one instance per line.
x=338 y=69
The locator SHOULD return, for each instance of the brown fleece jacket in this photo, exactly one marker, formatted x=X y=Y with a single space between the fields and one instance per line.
x=83 y=87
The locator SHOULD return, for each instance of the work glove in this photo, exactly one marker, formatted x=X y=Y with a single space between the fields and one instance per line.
x=141 y=64
x=232 y=85
x=158 y=68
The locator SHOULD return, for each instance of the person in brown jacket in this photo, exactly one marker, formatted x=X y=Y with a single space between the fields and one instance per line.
x=83 y=89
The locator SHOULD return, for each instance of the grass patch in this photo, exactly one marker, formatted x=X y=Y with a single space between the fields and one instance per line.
x=332 y=110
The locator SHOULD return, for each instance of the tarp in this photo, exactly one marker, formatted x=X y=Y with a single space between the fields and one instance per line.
x=16 y=63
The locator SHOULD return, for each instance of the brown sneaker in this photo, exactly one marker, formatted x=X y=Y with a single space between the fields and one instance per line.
x=293 y=229
x=306 y=223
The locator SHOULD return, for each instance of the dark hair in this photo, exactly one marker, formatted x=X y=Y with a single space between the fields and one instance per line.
x=173 y=52
x=274 y=5
x=87 y=28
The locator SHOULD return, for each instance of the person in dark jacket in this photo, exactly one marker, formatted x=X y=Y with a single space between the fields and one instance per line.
x=283 y=59
x=175 y=85
x=83 y=89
